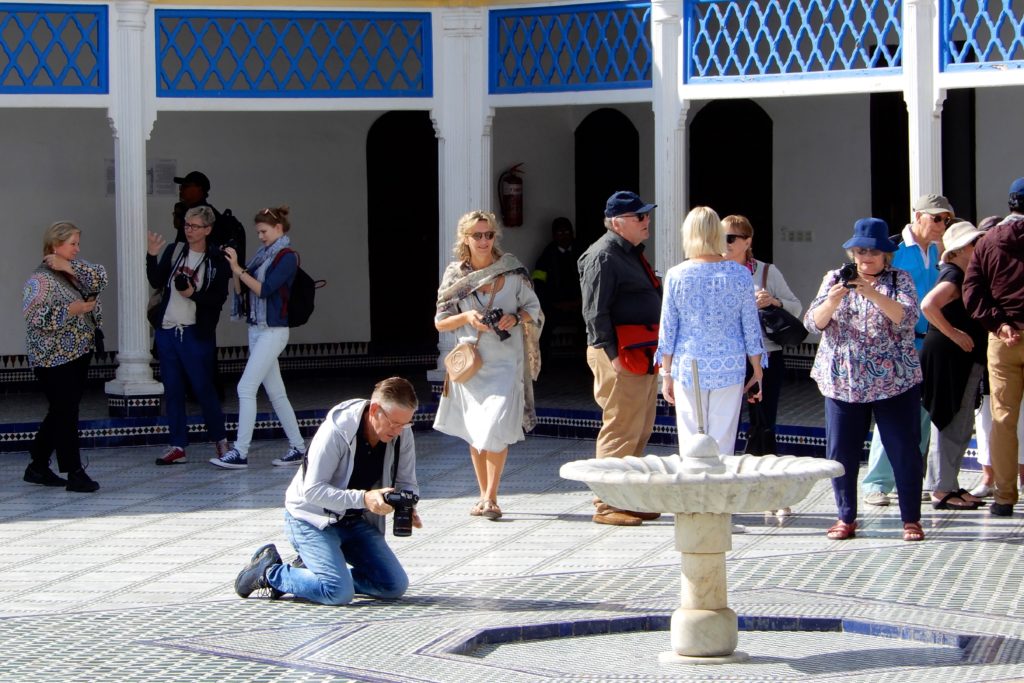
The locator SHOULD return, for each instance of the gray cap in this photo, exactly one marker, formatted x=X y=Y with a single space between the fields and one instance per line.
x=933 y=203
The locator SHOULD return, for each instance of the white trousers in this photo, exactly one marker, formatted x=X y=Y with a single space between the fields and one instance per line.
x=983 y=428
x=265 y=345
x=721 y=410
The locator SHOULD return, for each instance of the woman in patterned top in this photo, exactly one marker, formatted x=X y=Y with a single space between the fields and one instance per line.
x=62 y=318
x=708 y=315
x=867 y=365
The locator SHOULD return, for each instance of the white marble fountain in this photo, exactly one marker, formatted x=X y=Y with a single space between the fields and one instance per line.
x=702 y=488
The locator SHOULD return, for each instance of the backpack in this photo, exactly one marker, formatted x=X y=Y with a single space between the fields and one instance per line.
x=228 y=231
x=298 y=301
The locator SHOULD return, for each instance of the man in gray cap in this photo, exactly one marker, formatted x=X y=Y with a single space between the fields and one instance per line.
x=622 y=296
x=994 y=296
x=918 y=254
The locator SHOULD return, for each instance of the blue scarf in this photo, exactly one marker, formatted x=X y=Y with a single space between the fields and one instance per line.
x=258 y=266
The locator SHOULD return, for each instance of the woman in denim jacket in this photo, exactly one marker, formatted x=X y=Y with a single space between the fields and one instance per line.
x=261 y=291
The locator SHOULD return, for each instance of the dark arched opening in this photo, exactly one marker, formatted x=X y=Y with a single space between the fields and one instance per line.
x=607 y=160
x=402 y=220
x=731 y=165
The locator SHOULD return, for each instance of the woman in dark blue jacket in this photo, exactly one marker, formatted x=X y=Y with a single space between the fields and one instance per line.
x=261 y=295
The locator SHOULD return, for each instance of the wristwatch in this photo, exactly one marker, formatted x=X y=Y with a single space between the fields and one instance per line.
x=519 y=318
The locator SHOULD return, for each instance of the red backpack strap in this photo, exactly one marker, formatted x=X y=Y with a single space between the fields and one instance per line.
x=284 y=288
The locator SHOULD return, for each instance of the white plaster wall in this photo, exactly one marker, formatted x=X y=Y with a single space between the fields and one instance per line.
x=52 y=169
x=543 y=138
x=1000 y=146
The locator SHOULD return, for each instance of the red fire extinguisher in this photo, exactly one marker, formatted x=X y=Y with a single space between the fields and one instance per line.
x=510 y=194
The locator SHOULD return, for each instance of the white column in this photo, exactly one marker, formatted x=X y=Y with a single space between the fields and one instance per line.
x=924 y=99
x=462 y=121
x=131 y=125
x=669 y=131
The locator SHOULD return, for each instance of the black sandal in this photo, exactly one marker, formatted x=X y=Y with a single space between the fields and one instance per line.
x=945 y=503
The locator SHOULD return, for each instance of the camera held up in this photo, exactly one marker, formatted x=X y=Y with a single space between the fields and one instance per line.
x=847 y=273
x=182 y=282
x=403 y=502
x=491 y=319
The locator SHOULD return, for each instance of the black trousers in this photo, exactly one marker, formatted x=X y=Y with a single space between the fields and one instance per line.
x=63 y=386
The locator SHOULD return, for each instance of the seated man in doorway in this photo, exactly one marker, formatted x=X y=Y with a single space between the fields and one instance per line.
x=335 y=506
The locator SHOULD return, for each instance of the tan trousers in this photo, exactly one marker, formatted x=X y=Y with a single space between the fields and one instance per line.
x=1006 y=380
x=628 y=401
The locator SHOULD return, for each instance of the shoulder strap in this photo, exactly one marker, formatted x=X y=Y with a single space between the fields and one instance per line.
x=394 y=463
x=764 y=276
x=284 y=288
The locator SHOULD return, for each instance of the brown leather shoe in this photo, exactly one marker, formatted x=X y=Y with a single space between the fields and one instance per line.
x=618 y=518
x=646 y=516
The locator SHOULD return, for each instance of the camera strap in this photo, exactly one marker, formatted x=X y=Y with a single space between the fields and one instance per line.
x=486 y=309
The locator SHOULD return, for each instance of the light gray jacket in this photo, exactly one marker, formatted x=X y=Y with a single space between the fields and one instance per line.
x=778 y=288
x=321 y=484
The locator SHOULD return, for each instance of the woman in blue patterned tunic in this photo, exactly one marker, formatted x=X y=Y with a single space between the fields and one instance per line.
x=709 y=315
x=867 y=365
x=62 y=319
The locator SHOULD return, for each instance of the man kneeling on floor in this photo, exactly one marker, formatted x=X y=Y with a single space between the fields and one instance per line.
x=335 y=506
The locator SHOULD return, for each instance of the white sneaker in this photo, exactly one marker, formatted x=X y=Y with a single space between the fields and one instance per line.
x=982 y=491
x=877 y=498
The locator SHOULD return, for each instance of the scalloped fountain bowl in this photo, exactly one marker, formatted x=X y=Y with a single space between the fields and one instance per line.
x=702 y=488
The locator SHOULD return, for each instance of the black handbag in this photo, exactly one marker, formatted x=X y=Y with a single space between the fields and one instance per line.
x=778 y=324
x=760 y=436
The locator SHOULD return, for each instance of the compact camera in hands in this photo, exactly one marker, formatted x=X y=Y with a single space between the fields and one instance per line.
x=491 y=319
x=403 y=502
x=848 y=273
x=182 y=282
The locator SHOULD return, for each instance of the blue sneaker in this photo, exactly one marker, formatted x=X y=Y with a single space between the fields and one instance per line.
x=292 y=458
x=232 y=460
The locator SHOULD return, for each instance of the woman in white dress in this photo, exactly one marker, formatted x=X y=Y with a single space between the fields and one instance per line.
x=491 y=409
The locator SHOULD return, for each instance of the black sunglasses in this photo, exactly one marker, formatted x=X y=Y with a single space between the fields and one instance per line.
x=732 y=238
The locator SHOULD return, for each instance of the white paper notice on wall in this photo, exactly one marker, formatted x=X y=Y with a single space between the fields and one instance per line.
x=159 y=177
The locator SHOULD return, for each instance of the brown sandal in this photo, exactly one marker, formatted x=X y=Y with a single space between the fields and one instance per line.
x=840 y=531
x=478 y=509
x=491 y=510
x=912 y=531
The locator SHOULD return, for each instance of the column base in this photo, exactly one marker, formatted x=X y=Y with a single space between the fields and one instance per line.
x=134 y=399
x=673 y=658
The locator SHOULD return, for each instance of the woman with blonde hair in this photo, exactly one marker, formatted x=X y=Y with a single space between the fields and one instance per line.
x=62 y=321
x=708 y=315
x=487 y=296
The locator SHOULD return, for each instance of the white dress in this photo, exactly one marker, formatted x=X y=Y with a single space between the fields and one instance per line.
x=487 y=411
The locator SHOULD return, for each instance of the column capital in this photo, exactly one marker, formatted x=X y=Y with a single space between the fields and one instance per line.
x=131 y=14
x=463 y=21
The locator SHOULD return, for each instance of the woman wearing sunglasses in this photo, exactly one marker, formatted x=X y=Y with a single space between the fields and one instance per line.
x=486 y=295
x=867 y=366
x=261 y=290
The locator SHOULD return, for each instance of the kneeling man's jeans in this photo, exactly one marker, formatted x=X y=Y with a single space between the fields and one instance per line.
x=327 y=555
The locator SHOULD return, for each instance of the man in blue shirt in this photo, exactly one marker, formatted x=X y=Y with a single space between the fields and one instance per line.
x=918 y=254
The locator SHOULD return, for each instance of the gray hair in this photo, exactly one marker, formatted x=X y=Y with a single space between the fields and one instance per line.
x=396 y=392
x=203 y=213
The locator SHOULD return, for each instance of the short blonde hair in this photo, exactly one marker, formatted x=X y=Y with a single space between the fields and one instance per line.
x=740 y=225
x=57 y=234
x=465 y=227
x=703 y=234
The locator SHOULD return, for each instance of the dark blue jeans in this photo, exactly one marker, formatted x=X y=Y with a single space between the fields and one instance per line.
x=897 y=420
x=186 y=357
x=327 y=555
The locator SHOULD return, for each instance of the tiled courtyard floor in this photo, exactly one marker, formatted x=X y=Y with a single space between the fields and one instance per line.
x=134 y=583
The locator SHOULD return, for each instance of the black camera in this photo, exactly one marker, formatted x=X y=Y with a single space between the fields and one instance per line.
x=491 y=319
x=182 y=282
x=229 y=243
x=403 y=501
x=848 y=272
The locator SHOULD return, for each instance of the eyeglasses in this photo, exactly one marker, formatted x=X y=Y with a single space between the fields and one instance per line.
x=195 y=226
x=732 y=238
x=477 y=236
x=641 y=217
x=862 y=251
x=394 y=424
x=940 y=219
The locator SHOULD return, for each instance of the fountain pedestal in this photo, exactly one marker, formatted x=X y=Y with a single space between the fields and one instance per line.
x=703 y=629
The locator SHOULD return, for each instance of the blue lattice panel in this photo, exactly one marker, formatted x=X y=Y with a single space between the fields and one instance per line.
x=293 y=54
x=977 y=34
x=574 y=47
x=758 y=39
x=47 y=49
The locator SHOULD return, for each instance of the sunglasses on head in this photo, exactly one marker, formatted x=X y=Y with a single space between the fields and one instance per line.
x=732 y=238
x=477 y=236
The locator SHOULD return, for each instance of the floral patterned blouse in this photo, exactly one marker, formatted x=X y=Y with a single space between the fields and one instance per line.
x=709 y=315
x=864 y=356
x=52 y=336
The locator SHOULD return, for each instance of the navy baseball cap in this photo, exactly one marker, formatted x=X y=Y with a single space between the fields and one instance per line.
x=194 y=178
x=1017 y=186
x=625 y=202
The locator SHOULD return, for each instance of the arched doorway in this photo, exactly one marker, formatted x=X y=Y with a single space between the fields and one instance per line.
x=402 y=218
x=607 y=160
x=731 y=165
